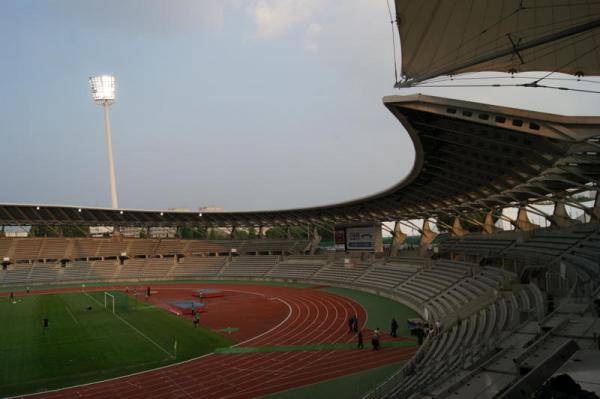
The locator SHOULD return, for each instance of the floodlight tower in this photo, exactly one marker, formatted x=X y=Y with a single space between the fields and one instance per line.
x=104 y=94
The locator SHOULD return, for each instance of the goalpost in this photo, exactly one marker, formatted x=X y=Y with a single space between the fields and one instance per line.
x=108 y=297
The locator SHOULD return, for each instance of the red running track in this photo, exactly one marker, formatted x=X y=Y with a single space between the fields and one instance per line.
x=299 y=316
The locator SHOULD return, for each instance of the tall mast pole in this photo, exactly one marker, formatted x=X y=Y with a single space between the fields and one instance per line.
x=111 y=165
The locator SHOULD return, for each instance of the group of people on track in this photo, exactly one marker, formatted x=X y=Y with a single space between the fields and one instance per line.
x=375 y=338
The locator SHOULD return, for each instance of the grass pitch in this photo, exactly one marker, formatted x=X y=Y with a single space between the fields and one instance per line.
x=84 y=345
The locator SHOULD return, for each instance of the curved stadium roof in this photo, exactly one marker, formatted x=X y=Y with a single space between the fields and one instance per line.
x=469 y=156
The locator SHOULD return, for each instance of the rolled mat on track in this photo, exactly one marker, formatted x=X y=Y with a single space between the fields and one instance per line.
x=208 y=293
x=186 y=307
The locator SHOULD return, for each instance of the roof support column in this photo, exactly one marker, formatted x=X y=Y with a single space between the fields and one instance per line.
x=523 y=222
x=596 y=209
x=488 y=224
x=427 y=235
x=457 y=229
x=315 y=240
x=398 y=238
x=560 y=217
x=377 y=238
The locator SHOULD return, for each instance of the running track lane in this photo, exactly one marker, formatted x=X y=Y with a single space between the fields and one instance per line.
x=314 y=317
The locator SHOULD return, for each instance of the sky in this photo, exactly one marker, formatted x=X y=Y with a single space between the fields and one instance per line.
x=238 y=104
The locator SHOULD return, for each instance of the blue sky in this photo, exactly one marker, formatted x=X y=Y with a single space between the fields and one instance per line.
x=256 y=104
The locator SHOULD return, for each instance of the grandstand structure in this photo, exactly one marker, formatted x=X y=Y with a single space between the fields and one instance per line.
x=511 y=309
x=469 y=157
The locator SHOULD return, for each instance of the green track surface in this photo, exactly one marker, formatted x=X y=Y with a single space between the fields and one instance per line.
x=348 y=387
x=380 y=310
x=88 y=345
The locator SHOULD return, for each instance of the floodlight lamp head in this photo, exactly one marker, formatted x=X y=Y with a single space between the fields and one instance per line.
x=104 y=89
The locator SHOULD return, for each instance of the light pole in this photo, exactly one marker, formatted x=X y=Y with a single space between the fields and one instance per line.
x=104 y=94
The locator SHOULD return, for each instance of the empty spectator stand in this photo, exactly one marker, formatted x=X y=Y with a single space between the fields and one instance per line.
x=197 y=266
x=56 y=249
x=249 y=266
x=298 y=267
x=343 y=271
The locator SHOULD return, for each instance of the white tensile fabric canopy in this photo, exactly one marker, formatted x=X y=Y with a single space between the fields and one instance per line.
x=445 y=37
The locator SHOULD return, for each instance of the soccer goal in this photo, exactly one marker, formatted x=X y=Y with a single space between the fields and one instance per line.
x=109 y=301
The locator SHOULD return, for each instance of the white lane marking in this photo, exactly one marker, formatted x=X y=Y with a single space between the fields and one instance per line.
x=110 y=379
x=71 y=314
x=134 y=329
x=277 y=326
x=167 y=366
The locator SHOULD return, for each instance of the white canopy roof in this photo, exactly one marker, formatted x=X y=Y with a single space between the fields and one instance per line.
x=443 y=37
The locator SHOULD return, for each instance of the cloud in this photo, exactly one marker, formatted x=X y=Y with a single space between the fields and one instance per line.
x=146 y=16
x=311 y=38
x=355 y=40
x=275 y=18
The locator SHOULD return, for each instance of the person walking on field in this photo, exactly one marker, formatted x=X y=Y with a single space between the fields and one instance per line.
x=196 y=319
x=394 y=328
x=359 y=336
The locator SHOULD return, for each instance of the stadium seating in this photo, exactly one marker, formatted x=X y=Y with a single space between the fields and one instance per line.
x=82 y=249
x=386 y=275
x=342 y=272
x=131 y=269
x=487 y=316
x=171 y=247
x=249 y=266
x=157 y=268
x=296 y=268
x=104 y=270
x=56 y=249
x=76 y=271
x=206 y=248
x=197 y=266
x=16 y=274
x=140 y=248
x=44 y=273
x=27 y=249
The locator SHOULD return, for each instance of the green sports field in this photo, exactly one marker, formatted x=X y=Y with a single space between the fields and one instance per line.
x=84 y=345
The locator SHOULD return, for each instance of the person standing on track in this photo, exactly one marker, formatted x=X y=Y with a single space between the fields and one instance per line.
x=394 y=328
x=355 y=323
x=359 y=336
x=375 y=339
x=350 y=324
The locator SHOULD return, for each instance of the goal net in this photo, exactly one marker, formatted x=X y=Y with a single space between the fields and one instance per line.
x=109 y=301
x=118 y=302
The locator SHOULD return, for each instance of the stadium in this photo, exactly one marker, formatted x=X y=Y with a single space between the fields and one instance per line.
x=488 y=303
